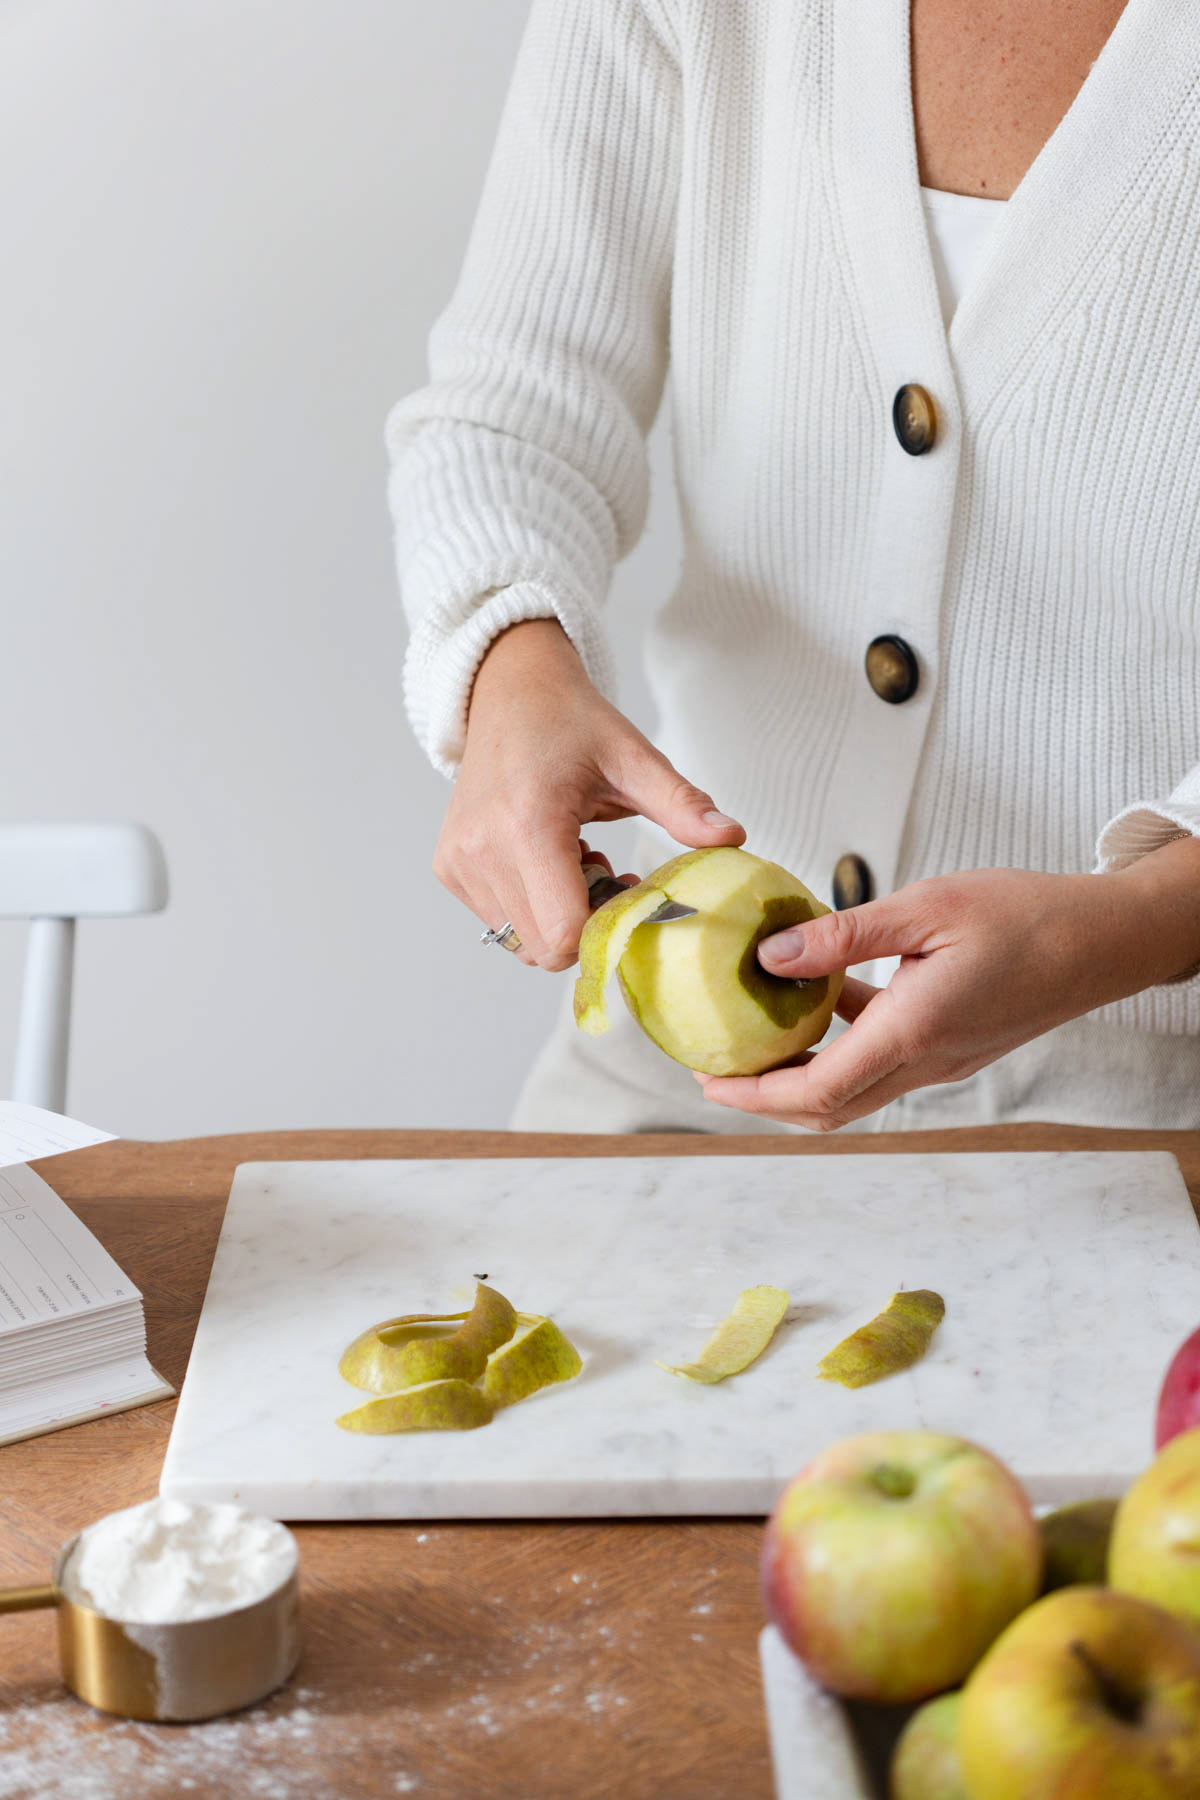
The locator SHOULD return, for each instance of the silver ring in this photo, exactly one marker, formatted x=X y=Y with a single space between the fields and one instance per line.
x=503 y=935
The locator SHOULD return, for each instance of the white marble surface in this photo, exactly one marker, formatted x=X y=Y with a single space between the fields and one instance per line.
x=1069 y=1280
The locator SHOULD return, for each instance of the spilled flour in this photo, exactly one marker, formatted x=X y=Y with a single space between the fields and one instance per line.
x=58 y=1749
x=296 y=1744
x=485 y=1683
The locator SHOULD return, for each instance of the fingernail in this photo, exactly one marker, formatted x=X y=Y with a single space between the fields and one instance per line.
x=719 y=819
x=783 y=945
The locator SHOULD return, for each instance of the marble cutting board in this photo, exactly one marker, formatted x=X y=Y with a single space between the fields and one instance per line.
x=1069 y=1280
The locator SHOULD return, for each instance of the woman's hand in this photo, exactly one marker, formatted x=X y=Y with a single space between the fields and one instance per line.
x=545 y=755
x=990 y=959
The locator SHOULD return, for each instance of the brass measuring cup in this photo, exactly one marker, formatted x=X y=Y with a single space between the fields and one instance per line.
x=186 y=1669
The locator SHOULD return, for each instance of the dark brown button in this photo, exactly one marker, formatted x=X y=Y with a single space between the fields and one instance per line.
x=892 y=669
x=851 y=882
x=915 y=419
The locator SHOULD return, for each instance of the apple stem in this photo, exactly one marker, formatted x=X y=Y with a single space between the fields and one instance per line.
x=895 y=1482
x=1127 y=1706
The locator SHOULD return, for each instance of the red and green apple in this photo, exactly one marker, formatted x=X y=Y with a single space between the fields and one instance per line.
x=895 y=1558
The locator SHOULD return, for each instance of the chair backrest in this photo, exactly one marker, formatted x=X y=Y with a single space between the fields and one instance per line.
x=53 y=875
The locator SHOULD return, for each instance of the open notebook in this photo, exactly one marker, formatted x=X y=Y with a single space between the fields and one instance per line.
x=72 y=1328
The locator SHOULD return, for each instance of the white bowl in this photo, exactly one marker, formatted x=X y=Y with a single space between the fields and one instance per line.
x=823 y=1748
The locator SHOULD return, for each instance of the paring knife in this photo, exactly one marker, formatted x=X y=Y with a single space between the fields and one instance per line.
x=602 y=886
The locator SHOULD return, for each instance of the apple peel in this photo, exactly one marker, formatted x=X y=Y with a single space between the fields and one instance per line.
x=896 y=1339
x=538 y=1356
x=601 y=947
x=739 y=1339
x=456 y=1382
x=429 y=1406
x=405 y=1353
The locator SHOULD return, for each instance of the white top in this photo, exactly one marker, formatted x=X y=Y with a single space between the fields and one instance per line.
x=733 y=191
x=959 y=227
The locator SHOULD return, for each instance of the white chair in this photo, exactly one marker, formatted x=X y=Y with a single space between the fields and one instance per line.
x=53 y=875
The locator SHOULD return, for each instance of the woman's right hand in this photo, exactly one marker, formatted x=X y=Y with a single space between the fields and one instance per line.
x=546 y=755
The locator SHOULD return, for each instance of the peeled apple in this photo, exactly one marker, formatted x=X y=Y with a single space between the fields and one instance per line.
x=696 y=986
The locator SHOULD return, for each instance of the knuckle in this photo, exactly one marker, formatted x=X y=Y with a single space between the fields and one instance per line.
x=560 y=944
x=473 y=844
x=824 y=1121
x=837 y=934
x=521 y=810
x=684 y=793
x=955 y=1069
x=917 y=1045
x=945 y=898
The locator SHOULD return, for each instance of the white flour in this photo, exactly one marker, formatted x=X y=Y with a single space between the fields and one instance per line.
x=418 y=1690
x=168 y=1560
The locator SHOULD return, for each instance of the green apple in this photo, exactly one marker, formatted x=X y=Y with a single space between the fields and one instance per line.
x=1089 y=1695
x=1155 y=1548
x=894 y=1560
x=1075 y=1541
x=696 y=986
x=925 y=1763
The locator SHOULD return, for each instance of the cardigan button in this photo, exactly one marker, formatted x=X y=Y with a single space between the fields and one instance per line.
x=892 y=669
x=914 y=418
x=851 y=882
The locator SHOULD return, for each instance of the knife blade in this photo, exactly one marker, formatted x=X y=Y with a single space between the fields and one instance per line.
x=602 y=886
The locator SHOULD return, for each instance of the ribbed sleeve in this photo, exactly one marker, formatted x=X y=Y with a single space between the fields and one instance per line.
x=1149 y=824
x=519 y=473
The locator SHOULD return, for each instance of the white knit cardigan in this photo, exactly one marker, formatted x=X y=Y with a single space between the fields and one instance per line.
x=730 y=187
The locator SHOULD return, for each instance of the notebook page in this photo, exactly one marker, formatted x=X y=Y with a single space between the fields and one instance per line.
x=50 y=1264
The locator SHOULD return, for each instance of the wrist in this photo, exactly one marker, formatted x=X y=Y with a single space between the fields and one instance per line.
x=524 y=654
x=1164 y=888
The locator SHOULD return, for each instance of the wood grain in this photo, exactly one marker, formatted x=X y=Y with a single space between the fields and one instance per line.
x=528 y=1659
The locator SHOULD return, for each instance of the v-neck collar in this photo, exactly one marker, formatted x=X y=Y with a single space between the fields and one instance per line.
x=1086 y=168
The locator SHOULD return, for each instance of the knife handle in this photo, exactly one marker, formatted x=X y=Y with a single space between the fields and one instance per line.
x=601 y=885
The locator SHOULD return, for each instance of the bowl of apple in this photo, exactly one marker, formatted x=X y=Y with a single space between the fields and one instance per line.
x=931 y=1637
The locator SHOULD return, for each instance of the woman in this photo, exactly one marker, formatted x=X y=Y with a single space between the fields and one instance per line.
x=934 y=643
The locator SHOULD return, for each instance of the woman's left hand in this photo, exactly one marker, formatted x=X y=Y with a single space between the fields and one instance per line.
x=990 y=959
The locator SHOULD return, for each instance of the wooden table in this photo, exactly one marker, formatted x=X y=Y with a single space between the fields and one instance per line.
x=502 y=1660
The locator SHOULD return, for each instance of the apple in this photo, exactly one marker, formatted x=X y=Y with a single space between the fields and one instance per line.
x=1155 y=1548
x=1179 y=1397
x=1075 y=1541
x=1089 y=1694
x=696 y=986
x=926 y=1764
x=895 y=1558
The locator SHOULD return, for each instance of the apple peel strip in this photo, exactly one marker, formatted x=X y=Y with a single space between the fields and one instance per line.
x=894 y=1340
x=739 y=1339
x=604 y=941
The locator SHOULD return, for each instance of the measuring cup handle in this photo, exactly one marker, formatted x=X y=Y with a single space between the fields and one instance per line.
x=27 y=1599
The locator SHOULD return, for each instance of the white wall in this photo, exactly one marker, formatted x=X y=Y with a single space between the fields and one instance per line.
x=227 y=228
